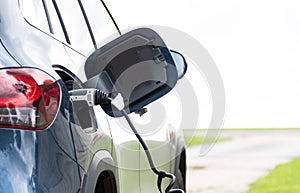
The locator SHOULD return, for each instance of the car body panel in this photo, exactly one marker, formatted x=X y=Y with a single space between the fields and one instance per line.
x=126 y=150
x=6 y=61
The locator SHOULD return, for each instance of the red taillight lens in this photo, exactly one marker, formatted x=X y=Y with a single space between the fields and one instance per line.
x=29 y=99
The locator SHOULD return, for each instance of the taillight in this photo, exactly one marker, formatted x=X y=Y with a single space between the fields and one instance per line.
x=29 y=99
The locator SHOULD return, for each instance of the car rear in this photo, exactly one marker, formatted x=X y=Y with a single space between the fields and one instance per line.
x=36 y=148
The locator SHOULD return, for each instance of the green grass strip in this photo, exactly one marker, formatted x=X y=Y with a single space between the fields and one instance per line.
x=246 y=129
x=198 y=140
x=284 y=178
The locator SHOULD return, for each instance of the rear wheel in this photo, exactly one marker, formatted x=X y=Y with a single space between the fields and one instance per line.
x=181 y=172
x=179 y=183
x=106 y=183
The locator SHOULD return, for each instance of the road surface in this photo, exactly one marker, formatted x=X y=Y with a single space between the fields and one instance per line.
x=229 y=167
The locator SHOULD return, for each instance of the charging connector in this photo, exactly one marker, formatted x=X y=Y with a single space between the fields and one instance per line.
x=91 y=96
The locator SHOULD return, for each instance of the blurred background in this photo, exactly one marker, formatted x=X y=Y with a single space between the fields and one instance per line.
x=255 y=45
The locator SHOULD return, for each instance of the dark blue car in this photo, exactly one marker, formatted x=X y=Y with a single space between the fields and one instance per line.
x=49 y=143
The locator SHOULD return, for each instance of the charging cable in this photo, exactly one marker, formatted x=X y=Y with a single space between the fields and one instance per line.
x=96 y=97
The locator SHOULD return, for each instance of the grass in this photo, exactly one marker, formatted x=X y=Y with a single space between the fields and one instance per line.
x=283 y=179
x=197 y=140
x=198 y=167
x=247 y=129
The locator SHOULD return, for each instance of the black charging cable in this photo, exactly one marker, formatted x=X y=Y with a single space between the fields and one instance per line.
x=160 y=174
x=98 y=97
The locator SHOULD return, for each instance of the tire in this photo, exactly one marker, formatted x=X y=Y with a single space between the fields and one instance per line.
x=179 y=183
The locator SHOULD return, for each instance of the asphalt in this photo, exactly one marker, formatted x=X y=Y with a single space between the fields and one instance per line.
x=230 y=167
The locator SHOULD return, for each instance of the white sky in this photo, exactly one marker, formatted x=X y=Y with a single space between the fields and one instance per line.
x=255 y=44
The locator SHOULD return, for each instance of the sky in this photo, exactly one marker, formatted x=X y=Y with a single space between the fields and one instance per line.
x=255 y=45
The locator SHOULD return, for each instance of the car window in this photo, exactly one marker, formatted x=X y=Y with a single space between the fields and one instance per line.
x=76 y=26
x=35 y=14
x=100 y=21
x=54 y=21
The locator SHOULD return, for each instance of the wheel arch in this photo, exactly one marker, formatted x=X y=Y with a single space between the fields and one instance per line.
x=102 y=169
